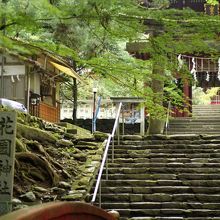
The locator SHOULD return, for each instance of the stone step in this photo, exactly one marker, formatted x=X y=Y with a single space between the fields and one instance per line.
x=193 y=116
x=194 y=125
x=168 y=147
x=202 y=125
x=167 y=160
x=195 y=130
x=155 y=170
x=209 y=129
x=206 y=106
x=214 y=112
x=160 y=182
x=163 y=176
x=195 y=120
x=161 y=189
x=161 y=205
x=207 y=117
x=205 y=111
x=167 y=155
x=170 y=218
x=205 y=114
x=165 y=165
x=205 y=144
x=160 y=197
x=185 y=138
x=166 y=142
x=192 y=132
x=204 y=122
x=146 y=150
x=169 y=212
x=174 y=130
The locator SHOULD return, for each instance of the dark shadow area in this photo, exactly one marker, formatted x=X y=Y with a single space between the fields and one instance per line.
x=106 y=125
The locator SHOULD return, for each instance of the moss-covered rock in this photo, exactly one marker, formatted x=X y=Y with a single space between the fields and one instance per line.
x=20 y=146
x=100 y=136
x=46 y=154
x=64 y=143
x=31 y=133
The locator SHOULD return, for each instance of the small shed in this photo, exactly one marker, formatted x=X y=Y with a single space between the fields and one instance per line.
x=34 y=80
x=133 y=111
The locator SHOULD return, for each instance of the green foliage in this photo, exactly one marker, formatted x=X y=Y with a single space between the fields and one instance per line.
x=93 y=33
x=201 y=97
x=212 y=2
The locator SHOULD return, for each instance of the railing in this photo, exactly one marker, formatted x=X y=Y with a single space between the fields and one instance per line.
x=167 y=117
x=105 y=155
x=95 y=115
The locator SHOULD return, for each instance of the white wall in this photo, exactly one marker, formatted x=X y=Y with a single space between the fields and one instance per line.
x=14 y=79
x=85 y=110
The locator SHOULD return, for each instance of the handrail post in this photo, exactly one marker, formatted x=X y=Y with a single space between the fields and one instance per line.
x=168 y=114
x=113 y=146
x=142 y=124
x=123 y=121
x=100 y=194
x=118 y=131
x=106 y=169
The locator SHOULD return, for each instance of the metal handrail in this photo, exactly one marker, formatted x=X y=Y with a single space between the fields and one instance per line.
x=108 y=141
x=168 y=115
x=96 y=114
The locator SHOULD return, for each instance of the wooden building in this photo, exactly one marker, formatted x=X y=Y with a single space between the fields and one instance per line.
x=35 y=81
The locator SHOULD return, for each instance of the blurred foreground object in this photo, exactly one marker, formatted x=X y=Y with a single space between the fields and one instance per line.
x=60 y=211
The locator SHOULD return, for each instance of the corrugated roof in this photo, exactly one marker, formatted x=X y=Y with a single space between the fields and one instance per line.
x=66 y=70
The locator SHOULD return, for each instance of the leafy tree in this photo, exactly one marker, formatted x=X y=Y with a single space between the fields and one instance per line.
x=91 y=33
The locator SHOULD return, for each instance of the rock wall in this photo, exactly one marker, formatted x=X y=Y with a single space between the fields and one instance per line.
x=53 y=162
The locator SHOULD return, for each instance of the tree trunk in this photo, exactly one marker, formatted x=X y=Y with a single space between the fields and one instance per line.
x=75 y=95
x=74 y=101
x=156 y=124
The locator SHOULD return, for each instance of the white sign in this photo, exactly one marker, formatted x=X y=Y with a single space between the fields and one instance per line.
x=7 y=158
x=14 y=70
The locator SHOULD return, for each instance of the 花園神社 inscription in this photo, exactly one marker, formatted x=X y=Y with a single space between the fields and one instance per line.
x=7 y=157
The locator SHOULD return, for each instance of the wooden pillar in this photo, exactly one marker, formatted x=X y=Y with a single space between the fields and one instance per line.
x=186 y=92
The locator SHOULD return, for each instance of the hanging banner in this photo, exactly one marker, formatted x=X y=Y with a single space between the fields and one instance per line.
x=7 y=158
x=193 y=70
x=207 y=77
x=180 y=61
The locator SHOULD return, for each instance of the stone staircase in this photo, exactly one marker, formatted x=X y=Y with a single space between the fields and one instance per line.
x=205 y=120
x=164 y=177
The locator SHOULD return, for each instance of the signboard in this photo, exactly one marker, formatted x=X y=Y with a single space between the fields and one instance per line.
x=131 y=113
x=7 y=157
x=14 y=70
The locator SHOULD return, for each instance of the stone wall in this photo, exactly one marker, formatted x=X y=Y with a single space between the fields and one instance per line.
x=106 y=125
